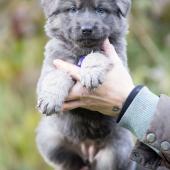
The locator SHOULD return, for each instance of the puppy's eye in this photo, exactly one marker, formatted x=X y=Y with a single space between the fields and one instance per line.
x=101 y=10
x=119 y=13
x=73 y=9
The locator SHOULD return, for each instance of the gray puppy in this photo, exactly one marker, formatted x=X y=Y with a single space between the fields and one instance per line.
x=81 y=139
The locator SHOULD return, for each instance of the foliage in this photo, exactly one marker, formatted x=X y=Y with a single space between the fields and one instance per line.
x=21 y=52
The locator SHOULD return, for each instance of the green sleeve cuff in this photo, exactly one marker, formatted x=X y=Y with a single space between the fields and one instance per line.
x=139 y=114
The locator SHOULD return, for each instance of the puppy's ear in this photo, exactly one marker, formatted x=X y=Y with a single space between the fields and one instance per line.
x=49 y=6
x=124 y=7
x=46 y=6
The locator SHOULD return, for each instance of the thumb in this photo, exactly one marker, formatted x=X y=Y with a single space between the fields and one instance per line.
x=110 y=51
x=73 y=70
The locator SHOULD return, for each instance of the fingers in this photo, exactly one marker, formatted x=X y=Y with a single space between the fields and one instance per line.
x=71 y=105
x=110 y=51
x=76 y=92
x=74 y=99
x=73 y=70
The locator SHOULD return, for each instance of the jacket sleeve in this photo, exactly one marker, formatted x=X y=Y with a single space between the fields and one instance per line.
x=148 y=118
x=158 y=133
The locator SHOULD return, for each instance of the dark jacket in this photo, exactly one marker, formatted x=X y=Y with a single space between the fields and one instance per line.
x=154 y=150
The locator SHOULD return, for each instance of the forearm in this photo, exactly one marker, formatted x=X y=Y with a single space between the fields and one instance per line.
x=148 y=118
x=140 y=112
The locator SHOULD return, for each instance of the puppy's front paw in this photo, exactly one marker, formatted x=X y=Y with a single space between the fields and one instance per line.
x=94 y=69
x=91 y=78
x=48 y=104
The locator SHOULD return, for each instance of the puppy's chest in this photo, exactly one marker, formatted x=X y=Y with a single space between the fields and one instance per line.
x=86 y=124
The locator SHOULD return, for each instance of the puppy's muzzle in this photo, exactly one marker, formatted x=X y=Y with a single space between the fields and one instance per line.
x=87 y=30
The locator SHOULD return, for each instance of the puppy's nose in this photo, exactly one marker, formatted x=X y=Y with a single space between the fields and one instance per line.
x=87 y=30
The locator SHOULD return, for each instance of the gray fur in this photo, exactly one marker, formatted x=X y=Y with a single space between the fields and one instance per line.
x=60 y=135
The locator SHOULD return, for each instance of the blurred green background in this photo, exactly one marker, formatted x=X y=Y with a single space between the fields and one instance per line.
x=22 y=41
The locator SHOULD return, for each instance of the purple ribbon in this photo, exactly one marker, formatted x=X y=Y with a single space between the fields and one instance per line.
x=80 y=60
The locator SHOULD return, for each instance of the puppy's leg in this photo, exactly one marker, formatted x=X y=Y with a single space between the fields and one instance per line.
x=105 y=159
x=93 y=70
x=66 y=159
x=53 y=88
x=123 y=144
x=54 y=147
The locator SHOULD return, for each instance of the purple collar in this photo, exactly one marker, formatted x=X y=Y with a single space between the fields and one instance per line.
x=81 y=58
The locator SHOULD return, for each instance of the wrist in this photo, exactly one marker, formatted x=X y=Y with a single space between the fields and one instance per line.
x=127 y=93
x=116 y=102
x=129 y=98
x=140 y=113
x=123 y=96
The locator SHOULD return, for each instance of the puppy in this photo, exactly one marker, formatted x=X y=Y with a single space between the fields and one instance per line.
x=81 y=139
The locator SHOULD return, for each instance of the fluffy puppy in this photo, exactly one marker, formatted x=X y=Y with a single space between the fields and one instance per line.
x=81 y=139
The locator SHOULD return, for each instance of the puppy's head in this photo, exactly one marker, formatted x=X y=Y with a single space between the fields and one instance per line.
x=86 y=22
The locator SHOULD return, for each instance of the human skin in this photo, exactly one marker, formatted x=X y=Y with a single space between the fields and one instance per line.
x=111 y=94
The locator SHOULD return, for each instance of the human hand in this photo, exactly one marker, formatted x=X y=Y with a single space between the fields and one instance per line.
x=110 y=96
